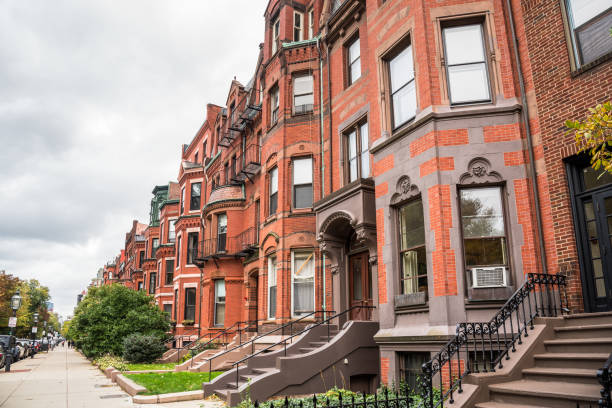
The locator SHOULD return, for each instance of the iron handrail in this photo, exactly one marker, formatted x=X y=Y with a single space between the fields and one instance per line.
x=252 y=341
x=284 y=341
x=492 y=341
x=604 y=376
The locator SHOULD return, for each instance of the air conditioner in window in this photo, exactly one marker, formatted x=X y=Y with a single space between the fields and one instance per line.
x=492 y=277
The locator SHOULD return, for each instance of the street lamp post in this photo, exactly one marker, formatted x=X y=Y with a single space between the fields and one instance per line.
x=15 y=304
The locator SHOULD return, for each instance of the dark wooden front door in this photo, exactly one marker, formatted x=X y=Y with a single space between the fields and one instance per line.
x=360 y=288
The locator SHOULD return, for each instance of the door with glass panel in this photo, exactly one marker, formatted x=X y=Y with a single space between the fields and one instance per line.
x=360 y=292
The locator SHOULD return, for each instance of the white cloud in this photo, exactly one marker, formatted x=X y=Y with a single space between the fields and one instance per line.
x=96 y=99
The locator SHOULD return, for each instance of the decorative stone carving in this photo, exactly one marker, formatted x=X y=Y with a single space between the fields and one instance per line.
x=404 y=190
x=479 y=171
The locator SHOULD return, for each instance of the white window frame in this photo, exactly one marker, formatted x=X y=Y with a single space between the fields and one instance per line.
x=275 y=34
x=293 y=180
x=272 y=261
x=215 y=323
x=311 y=23
x=297 y=95
x=274 y=105
x=299 y=27
x=314 y=280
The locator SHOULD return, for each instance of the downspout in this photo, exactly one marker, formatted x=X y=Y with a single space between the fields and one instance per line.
x=321 y=129
x=329 y=103
x=525 y=115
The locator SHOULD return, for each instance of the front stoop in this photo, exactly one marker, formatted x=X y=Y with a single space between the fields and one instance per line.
x=555 y=367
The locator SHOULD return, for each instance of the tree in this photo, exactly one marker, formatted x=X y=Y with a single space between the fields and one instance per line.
x=8 y=287
x=108 y=314
x=34 y=298
x=594 y=135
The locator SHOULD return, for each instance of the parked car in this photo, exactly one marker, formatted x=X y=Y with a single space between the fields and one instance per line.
x=8 y=344
x=25 y=343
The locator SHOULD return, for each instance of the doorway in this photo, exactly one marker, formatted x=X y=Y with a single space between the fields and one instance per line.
x=360 y=285
x=592 y=199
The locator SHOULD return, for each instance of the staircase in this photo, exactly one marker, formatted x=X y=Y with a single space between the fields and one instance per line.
x=314 y=362
x=561 y=369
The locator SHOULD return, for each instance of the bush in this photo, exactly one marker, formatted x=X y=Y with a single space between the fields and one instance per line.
x=111 y=361
x=141 y=348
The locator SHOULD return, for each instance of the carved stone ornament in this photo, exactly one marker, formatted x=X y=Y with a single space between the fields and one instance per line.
x=479 y=171
x=404 y=190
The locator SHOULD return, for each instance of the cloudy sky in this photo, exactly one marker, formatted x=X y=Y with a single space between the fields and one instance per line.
x=96 y=98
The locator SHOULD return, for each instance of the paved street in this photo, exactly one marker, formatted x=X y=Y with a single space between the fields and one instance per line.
x=63 y=378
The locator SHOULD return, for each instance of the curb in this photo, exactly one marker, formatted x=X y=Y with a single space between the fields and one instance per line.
x=172 y=397
x=128 y=385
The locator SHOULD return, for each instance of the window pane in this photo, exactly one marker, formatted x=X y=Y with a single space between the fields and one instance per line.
x=595 y=178
x=303 y=283
x=412 y=227
x=481 y=212
x=302 y=85
x=274 y=181
x=220 y=290
x=303 y=196
x=404 y=105
x=222 y=223
x=273 y=203
x=303 y=266
x=363 y=130
x=414 y=271
x=365 y=165
x=352 y=169
x=355 y=70
x=584 y=10
x=485 y=251
x=594 y=39
x=401 y=69
x=463 y=44
x=302 y=171
x=354 y=51
x=352 y=145
x=195 y=189
x=468 y=83
x=271 y=271
x=307 y=99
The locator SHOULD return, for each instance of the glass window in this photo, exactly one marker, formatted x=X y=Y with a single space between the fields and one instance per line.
x=357 y=152
x=190 y=304
x=219 y=302
x=302 y=183
x=311 y=23
x=354 y=61
x=275 y=35
x=152 y=281
x=178 y=252
x=182 y=200
x=196 y=192
x=465 y=64
x=141 y=259
x=171 y=231
x=168 y=310
x=482 y=220
x=402 y=87
x=411 y=368
x=302 y=274
x=175 y=313
x=590 y=22
x=303 y=96
x=271 y=287
x=298 y=22
x=273 y=190
x=274 y=104
x=221 y=232
x=413 y=262
x=155 y=245
x=169 y=271
x=192 y=247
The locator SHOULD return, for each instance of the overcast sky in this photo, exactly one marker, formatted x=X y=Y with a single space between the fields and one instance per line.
x=96 y=98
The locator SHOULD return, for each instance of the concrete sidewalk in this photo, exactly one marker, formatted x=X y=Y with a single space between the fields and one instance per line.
x=63 y=378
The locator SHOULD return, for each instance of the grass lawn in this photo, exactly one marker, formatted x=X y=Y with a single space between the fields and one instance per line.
x=164 y=383
x=153 y=366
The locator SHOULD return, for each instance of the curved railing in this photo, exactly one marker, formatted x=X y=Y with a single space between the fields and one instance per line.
x=482 y=346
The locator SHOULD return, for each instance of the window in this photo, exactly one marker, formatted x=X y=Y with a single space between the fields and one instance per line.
x=466 y=67
x=171 y=231
x=219 y=302
x=354 y=61
x=482 y=221
x=232 y=114
x=302 y=278
x=274 y=104
x=196 y=158
x=204 y=152
x=411 y=368
x=275 y=35
x=273 y=191
x=221 y=232
x=192 y=247
x=271 y=287
x=152 y=281
x=196 y=193
x=168 y=310
x=234 y=167
x=357 y=152
x=257 y=221
x=298 y=22
x=413 y=260
x=303 y=94
x=190 y=304
x=226 y=172
x=311 y=23
x=182 y=200
x=155 y=245
x=178 y=252
x=141 y=259
x=402 y=86
x=590 y=22
x=175 y=304
x=140 y=285
x=302 y=183
x=169 y=271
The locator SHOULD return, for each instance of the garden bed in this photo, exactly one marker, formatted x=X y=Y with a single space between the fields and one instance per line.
x=171 y=382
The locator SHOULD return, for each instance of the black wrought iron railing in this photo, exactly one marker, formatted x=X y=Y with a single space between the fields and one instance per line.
x=223 y=246
x=289 y=339
x=483 y=346
x=604 y=376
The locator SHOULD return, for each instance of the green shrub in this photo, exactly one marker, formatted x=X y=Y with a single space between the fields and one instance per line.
x=141 y=348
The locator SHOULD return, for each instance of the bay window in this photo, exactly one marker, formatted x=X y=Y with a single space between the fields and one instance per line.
x=192 y=247
x=413 y=259
x=302 y=282
x=182 y=200
x=196 y=193
x=275 y=35
x=190 y=304
x=219 y=302
x=169 y=271
x=302 y=183
x=400 y=67
x=171 y=231
x=152 y=281
x=221 y=232
x=357 y=157
x=274 y=105
x=273 y=191
x=466 y=67
x=298 y=24
x=303 y=94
